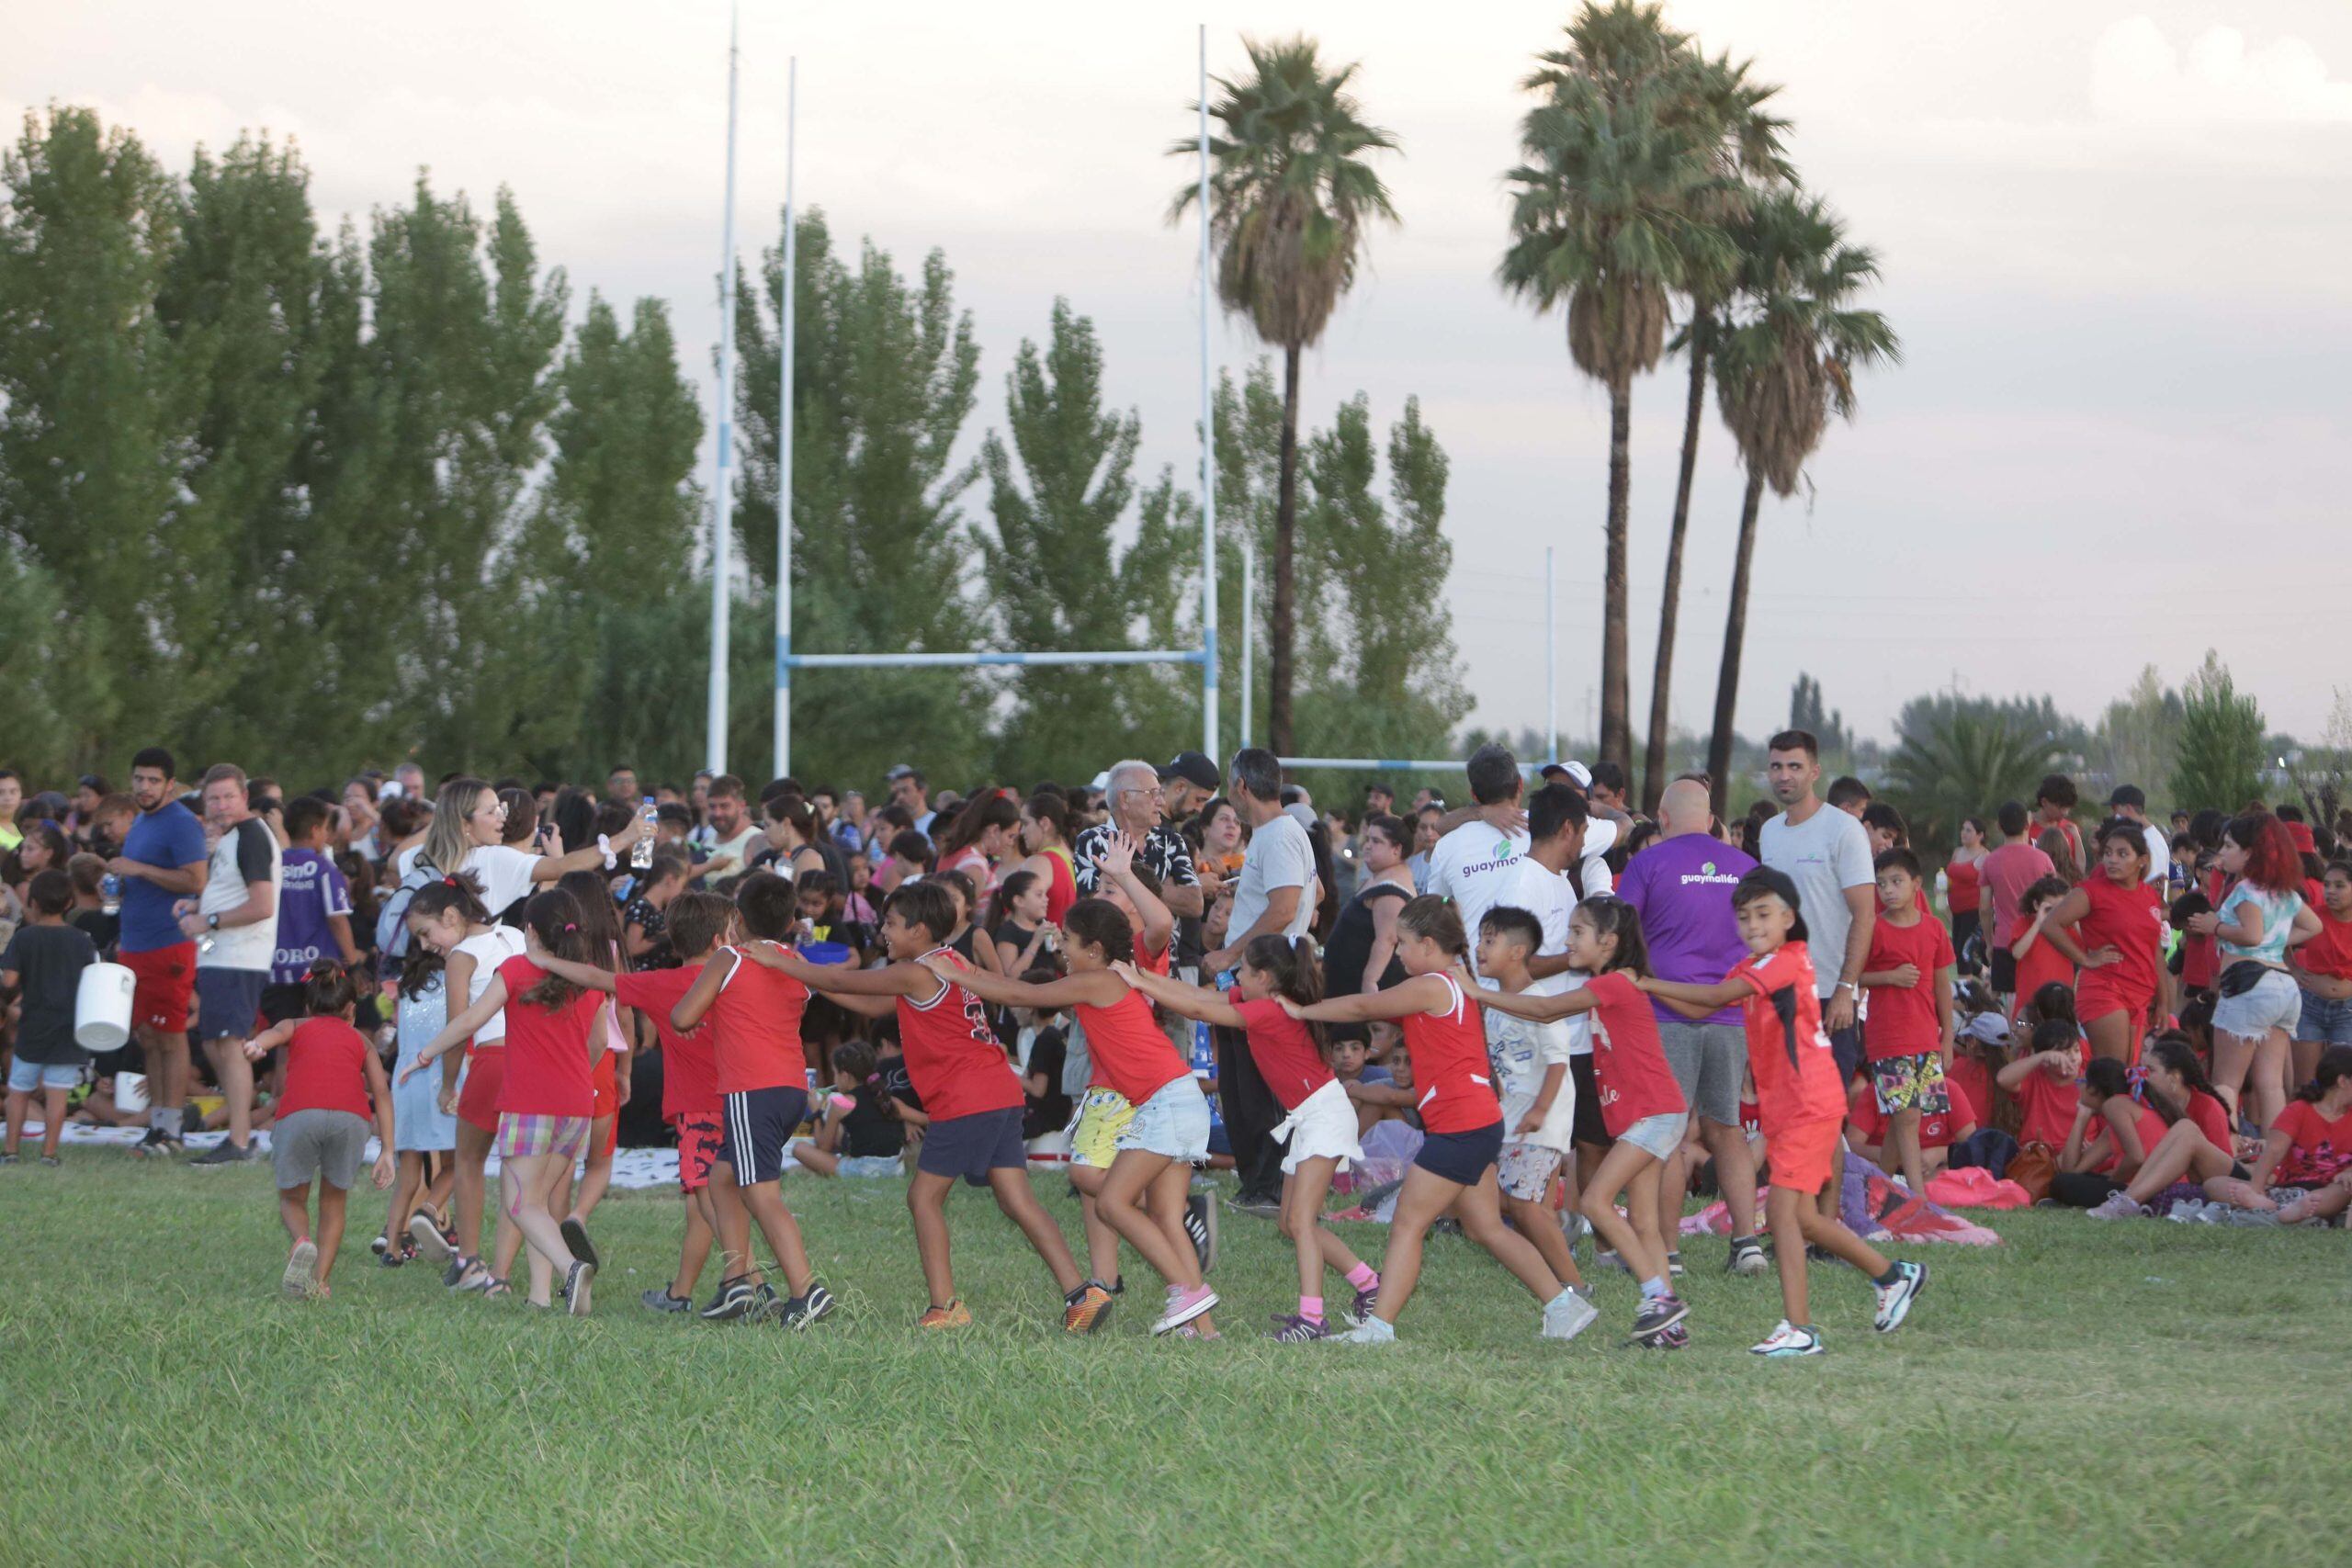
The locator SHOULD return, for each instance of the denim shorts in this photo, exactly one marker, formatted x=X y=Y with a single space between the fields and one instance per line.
x=1174 y=1121
x=24 y=1077
x=1660 y=1135
x=2275 y=1002
x=2325 y=1020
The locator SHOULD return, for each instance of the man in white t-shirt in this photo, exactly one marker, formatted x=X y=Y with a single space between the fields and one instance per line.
x=1273 y=897
x=1472 y=863
x=234 y=926
x=2131 y=803
x=735 y=838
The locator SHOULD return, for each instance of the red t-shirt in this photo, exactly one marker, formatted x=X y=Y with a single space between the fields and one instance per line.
x=1788 y=1052
x=1902 y=1021
x=689 y=1072
x=2043 y=964
x=1449 y=1066
x=1627 y=1057
x=546 y=1053
x=2008 y=872
x=755 y=1028
x=2048 y=1105
x=953 y=1058
x=1962 y=888
x=2318 y=1150
x=2330 y=953
x=1131 y=1056
x=2211 y=1118
x=1283 y=1049
x=1968 y=1080
x=326 y=1068
x=2126 y=918
x=2152 y=1128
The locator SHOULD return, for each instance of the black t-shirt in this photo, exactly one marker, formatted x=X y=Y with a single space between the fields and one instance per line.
x=1050 y=1111
x=1350 y=948
x=103 y=930
x=867 y=1130
x=48 y=962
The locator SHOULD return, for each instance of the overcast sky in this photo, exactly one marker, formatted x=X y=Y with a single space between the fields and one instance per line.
x=2113 y=235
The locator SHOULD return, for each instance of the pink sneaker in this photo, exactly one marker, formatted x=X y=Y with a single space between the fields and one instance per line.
x=1183 y=1305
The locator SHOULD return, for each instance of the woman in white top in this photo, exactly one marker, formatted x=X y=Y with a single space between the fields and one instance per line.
x=468 y=823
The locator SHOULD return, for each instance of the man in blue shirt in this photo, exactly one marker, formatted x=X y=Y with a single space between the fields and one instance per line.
x=164 y=860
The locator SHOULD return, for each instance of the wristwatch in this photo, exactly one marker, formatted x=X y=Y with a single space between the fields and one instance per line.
x=212 y=922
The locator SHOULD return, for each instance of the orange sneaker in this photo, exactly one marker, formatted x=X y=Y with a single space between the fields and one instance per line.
x=953 y=1315
x=1087 y=1308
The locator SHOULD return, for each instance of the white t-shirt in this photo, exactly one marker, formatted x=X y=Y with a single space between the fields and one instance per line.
x=739 y=849
x=1278 y=856
x=1550 y=898
x=503 y=870
x=1825 y=855
x=1471 y=865
x=246 y=854
x=487 y=951
x=2159 y=852
x=1521 y=1052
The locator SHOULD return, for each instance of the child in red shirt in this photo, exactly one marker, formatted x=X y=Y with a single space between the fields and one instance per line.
x=2044 y=1080
x=1801 y=1104
x=1907 y=1032
x=332 y=1077
x=2045 y=953
x=1641 y=1103
x=968 y=1088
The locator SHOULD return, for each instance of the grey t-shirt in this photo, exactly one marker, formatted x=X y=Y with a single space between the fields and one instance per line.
x=1827 y=854
x=1278 y=856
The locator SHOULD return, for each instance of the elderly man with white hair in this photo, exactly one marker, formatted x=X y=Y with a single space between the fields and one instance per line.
x=1137 y=800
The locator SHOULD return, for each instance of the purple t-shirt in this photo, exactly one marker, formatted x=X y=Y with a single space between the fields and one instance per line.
x=312 y=890
x=1682 y=888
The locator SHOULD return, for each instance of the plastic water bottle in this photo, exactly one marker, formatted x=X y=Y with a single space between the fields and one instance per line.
x=110 y=894
x=640 y=853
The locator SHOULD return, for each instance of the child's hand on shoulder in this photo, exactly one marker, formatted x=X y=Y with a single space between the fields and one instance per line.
x=1462 y=976
x=1124 y=970
x=1290 y=1007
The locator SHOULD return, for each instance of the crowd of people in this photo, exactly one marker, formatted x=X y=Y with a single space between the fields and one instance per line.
x=1563 y=1017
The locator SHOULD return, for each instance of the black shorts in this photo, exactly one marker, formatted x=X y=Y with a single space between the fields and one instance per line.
x=1587 y=1127
x=971 y=1146
x=228 y=1002
x=2005 y=970
x=760 y=1124
x=1846 y=1047
x=1462 y=1157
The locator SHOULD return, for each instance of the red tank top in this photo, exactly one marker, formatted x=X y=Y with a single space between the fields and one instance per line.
x=1133 y=1058
x=326 y=1068
x=1449 y=1052
x=954 y=1062
x=1964 y=886
x=1061 y=885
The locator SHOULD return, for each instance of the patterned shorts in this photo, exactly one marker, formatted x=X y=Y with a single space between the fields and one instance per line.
x=523 y=1137
x=1102 y=1119
x=1525 y=1171
x=1911 y=1083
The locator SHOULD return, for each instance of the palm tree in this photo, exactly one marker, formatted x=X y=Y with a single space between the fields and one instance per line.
x=1606 y=218
x=1960 y=759
x=1290 y=197
x=1745 y=143
x=1784 y=364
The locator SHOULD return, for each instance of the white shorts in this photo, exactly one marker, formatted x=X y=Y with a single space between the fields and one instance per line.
x=2275 y=1002
x=1323 y=1127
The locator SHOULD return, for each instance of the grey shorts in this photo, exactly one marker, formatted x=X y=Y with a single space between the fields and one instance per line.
x=309 y=1144
x=1660 y=1135
x=1709 y=1060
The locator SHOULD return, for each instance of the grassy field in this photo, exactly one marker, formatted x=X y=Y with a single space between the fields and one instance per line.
x=2133 y=1392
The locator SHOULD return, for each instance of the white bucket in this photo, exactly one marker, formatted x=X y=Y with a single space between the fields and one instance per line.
x=130 y=1093
x=102 y=1007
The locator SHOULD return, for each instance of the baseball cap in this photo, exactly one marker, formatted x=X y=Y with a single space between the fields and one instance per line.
x=2131 y=796
x=1194 y=769
x=1575 y=773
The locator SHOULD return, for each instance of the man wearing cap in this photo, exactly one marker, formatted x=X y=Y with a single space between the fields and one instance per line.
x=907 y=789
x=2131 y=803
x=1191 y=781
x=1379 y=800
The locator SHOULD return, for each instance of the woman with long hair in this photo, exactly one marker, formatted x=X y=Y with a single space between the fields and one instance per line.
x=467 y=835
x=1963 y=884
x=600 y=922
x=2258 y=1004
x=792 y=834
x=1045 y=838
x=978 y=841
x=2121 y=914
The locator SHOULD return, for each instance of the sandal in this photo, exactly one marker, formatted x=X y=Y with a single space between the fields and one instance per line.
x=496 y=1288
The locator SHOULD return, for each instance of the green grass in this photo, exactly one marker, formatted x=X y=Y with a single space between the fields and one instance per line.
x=2132 y=1393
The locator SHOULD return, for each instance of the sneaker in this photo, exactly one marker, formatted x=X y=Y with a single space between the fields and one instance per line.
x=382 y=1243
x=154 y=1146
x=801 y=1312
x=1367 y=1298
x=224 y=1152
x=1674 y=1265
x=1604 y=1258
x=301 y=1265
x=1200 y=1223
x=734 y=1299
x=954 y=1314
x=1184 y=1303
x=659 y=1299
x=51 y=1161
x=1786 y=1340
x=765 y=1302
x=1746 y=1259
x=1657 y=1314
x=8 y=1160
x=1566 y=1315
x=430 y=1240
x=1894 y=1301
x=575 y=1238
x=1371 y=1331
x=1290 y=1328
x=1087 y=1308
x=575 y=1287
x=1675 y=1339
x=1196 y=1331
x=391 y=1257
x=1258 y=1205
x=2120 y=1206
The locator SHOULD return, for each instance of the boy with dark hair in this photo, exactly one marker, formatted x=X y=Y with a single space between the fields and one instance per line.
x=755 y=1040
x=970 y=1094
x=45 y=960
x=2055 y=799
x=315 y=909
x=1907 y=1032
x=1849 y=795
x=1539 y=1098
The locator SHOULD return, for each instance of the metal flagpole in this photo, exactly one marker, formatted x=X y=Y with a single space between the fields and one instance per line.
x=1208 y=450
x=715 y=754
x=1551 y=660
x=784 y=441
x=1248 y=630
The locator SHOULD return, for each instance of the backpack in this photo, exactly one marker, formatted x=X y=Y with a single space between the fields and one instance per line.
x=391 y=919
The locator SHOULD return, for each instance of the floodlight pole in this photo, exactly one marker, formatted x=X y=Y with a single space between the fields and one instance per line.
x=1208 y=450
x=1249 y=631
x=1550 y=661
x=783 y=335
x=714 y=753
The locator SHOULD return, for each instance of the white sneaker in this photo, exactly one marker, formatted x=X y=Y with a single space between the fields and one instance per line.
x=1786 y=1341
x=2119 y=1206
x=1371 y=1331
x=1567 y=1314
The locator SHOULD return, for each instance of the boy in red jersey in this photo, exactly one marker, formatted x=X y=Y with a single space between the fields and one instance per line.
x=970 y=1091
x=1800 y=1102
x=1907 y=1031
x=755 y=1038
x=696 y=923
